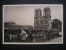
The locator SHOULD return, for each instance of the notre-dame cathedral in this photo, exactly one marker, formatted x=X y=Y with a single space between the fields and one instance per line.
x=42 y=21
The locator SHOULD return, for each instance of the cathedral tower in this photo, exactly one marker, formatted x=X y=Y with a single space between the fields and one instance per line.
x=46 y=18
x=38 y=19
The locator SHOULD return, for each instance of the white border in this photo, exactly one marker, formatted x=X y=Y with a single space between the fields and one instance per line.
x=32 y=42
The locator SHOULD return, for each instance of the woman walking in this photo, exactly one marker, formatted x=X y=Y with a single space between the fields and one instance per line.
x=23 y=36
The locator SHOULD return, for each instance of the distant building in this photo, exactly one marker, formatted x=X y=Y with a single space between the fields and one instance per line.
x=8 y=24
x=12 y=25
x=42 y=22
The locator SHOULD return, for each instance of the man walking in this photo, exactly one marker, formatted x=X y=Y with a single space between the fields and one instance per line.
x=30 y=36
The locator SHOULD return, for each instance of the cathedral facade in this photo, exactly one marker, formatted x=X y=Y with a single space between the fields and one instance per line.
x=42 y=21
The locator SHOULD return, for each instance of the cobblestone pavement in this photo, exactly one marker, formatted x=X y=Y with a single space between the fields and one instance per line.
x=57 y=39
x=52 y=41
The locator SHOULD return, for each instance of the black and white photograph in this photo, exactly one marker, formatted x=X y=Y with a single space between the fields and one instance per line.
x=33 y=24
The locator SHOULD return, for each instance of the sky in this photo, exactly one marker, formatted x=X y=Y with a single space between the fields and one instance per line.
x=24 y=14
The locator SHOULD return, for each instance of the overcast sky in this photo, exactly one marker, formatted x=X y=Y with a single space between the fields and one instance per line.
x=24 y=14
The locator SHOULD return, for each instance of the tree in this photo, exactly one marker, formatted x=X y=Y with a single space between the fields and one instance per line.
x=57 y=24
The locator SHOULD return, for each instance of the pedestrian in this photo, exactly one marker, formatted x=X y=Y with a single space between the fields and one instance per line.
x=48 y=35
x=23 y=36
x=30 y=36
x=37 y=36
x=26 y=37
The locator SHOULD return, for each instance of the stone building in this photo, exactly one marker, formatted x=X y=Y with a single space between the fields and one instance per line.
x=13 y=25
x=42 y=22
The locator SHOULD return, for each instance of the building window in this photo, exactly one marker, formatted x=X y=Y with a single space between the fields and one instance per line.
x=41 y=22
x=37 y=23
x=46 y=22
x=45 y=27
